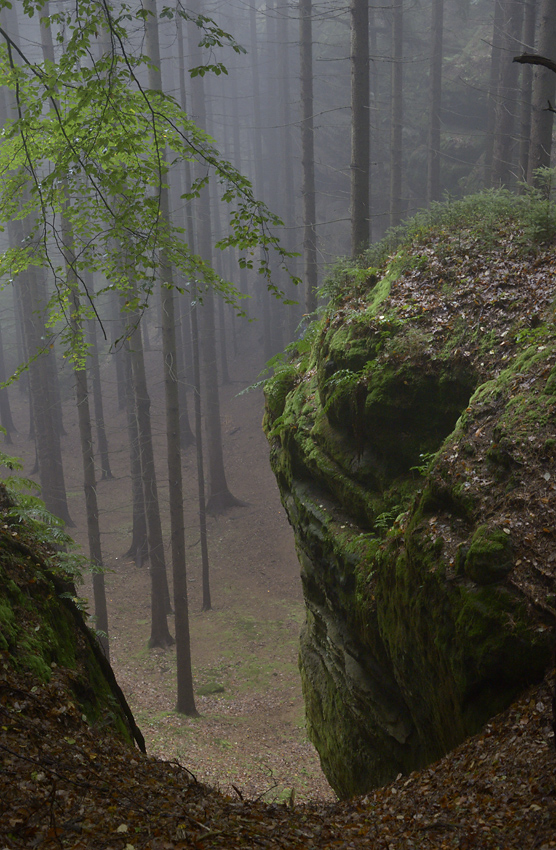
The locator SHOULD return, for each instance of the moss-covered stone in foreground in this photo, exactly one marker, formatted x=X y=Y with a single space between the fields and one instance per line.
x=41 y=630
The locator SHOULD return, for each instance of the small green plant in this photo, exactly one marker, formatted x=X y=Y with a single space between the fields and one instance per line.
x=427 y=459
x=345 y=277
x=28 y=511
x=387 y=519
x=540 y=210
x=306 y=333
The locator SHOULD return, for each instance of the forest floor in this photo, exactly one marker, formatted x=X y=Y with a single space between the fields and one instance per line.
x=251 y=731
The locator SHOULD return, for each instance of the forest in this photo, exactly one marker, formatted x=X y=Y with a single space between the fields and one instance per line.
x=205 y=211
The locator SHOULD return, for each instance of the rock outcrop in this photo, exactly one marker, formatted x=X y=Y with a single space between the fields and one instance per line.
x=413 y=438
x=43 y=635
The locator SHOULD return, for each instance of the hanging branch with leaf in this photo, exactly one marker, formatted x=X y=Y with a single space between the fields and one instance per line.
x=88 y=141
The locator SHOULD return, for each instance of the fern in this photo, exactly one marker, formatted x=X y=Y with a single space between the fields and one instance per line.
x=29 y=512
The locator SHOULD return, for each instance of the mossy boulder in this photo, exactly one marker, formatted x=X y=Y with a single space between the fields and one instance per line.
x=43 y=631
x=414 y=454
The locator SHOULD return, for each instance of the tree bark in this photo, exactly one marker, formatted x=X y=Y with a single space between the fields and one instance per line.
x=503 y=170
x=139 y=547
x=160 y=634
x=185 y=703
x=435 y=102
x=528 y=42
x=360 y=125
x=86 y=440
x=287 y=159
x=205 y=567
x=308 y=156
x=495 y=61
x=544 y=93
x=31 y=284
x=94 y=366
x=396 y=149
x=220 y=496
x=5 y=409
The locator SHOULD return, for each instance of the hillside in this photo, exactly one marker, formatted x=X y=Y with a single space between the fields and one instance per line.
x=413 y=439
x=72 y=773
x=65 y=783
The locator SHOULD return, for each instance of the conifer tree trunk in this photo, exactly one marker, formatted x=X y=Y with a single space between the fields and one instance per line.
x=117 y=349
x=528 y=43
x=5 y=410
x=219 y=497
x=139 y=547
x=260 y=172
x=308 y=156
x=494 y=80
x=288 y=187
x=47 y=436
x=82 y=399
x=195 y=365
x=396 y=150
x=185 y=703
x=360 y=126
x=91 y=504
x=160 y=634
x=207 y=605
x=86 y=440
x=44 y=418
x=435 y=102
x=503 y=170
x=544 y=92
x=94 y=366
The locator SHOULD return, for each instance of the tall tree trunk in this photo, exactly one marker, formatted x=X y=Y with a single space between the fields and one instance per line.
x=274 y=175
x=207 y=605
x=139 y=547
x=160 y=635
x=31 y=287
x=528 y=43
x=236 y=118
x=503 y=170
x=5 y=410
x=219 y=497
x=494 y=81
x=360 y=125
x=82 y=398
x=308 y=156
x=544 y=92
x=435 y=102
x=117 y=349
x=47 y=437
x=185 y=702
x=396 y=149
x=260 y=171
x=191 y=316
x=94 y=366
x=91 y=504
x=288 y=188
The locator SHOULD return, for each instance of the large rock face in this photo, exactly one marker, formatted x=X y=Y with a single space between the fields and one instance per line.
x=414 y=446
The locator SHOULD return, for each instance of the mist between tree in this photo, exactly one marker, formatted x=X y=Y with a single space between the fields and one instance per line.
x=176 y=180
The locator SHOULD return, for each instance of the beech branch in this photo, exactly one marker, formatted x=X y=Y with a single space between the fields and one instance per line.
x=535 y=59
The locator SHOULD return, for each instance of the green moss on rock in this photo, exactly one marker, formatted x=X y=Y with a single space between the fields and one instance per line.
x=41 y=630
x=385 y=453
x=490 y=556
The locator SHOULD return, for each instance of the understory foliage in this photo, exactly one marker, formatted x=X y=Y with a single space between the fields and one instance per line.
x=23 y=510
x=483 y=217
x=87 y=141
x=480 y=220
